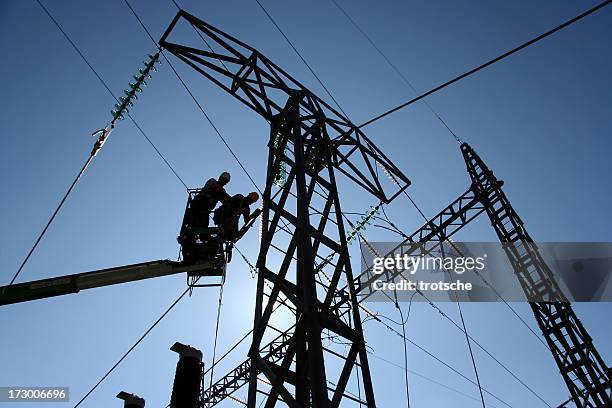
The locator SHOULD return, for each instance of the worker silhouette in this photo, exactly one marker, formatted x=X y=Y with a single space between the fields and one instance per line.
x=208 y=197
x=228 y=214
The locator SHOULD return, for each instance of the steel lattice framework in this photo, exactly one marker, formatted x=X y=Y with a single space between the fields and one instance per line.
x=310 y=143
x=584 y=371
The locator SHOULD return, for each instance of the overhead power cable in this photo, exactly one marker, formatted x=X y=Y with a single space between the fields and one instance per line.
x=140 y=339
x=214 y=353
x=467 y=339
x=301 y=57
x=467 y=336
x=403 y=322
x=405 y=343
x=376 y=317
x=447 y=317
x=391 y=363
x=102 y=137
x=394 y=68
x=40 y=236
x=469 y=344
x=490 y=62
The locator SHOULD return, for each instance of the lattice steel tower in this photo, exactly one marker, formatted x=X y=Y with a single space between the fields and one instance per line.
x=310 y=276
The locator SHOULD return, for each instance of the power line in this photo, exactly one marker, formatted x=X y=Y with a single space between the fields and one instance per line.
x=405 y=343
x=301 y=57
x=144 y=27
x=488 y=63
x=140 y=339
x=77 y=178
x=376 y=317
x=91 y=156
x=467 y=337
x=214 y=354
x=496 y=360
x=394 y=68
x=469 y=343
x=448 y=387
x=402 y=335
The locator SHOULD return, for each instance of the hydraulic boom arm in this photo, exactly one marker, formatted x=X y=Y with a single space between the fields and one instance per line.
x=67 y=284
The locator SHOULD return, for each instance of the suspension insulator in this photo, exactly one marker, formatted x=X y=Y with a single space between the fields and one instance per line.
x=128 y=101
x=186 y=387
x=131 y=400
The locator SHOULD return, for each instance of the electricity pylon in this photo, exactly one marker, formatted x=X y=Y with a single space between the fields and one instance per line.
x=310 y=143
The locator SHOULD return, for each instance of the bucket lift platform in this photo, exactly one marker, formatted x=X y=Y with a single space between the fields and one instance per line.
x=202 y=243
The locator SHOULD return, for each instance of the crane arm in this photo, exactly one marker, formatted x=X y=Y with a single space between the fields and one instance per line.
x=63 y=285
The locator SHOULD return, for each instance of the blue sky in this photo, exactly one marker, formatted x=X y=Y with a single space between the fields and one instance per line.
x=541 y=120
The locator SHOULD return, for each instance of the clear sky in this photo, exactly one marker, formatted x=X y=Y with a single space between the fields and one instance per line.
x=541 y=119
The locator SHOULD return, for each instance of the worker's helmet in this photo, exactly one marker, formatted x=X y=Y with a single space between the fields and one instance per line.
x=253 y=197
x=224 y=177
